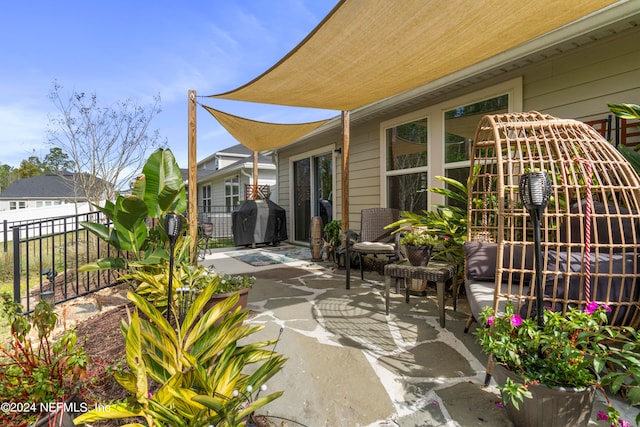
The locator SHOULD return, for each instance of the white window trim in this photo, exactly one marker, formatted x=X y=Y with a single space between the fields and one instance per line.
x=435 y=148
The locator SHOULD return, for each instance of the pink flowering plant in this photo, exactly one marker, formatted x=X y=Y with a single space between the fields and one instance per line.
x=576 y=349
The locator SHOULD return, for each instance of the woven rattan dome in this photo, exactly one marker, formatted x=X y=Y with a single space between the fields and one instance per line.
x=575 y=157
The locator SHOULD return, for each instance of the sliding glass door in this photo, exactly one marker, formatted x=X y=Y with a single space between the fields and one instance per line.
x=312 y=193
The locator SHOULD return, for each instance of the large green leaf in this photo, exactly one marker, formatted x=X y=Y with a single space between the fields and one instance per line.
x=161 y=186
x=632 y=157
x=109 y=412
x=100 y=230
x=625 y=111
x=104 y=264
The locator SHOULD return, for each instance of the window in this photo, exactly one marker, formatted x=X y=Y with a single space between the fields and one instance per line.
x=17 y=205
x=206 y=198
x=406 y=147
x=459 y=129
x=435 y=141
x=232 y=192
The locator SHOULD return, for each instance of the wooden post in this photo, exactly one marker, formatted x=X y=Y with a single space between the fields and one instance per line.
x=345 y=170
x=193 y=179
x=255 y=174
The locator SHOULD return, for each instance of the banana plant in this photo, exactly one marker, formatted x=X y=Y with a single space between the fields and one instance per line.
x=156 y=192
x=198 y=364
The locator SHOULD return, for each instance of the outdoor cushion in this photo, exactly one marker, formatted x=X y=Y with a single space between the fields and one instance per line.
x=374 y=247
x=622 y=229
x=605 y=267
x=481 y=260
x=480 y=294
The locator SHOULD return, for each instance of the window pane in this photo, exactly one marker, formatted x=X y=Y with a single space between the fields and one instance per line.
x=460 y=175
x=460 y=126
x=408 y=192
x=407 y=145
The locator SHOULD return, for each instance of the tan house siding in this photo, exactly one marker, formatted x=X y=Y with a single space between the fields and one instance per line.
x=575 y=84
x=579 y=84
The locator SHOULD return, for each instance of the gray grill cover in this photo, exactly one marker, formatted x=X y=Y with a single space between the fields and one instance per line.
x=258 y=221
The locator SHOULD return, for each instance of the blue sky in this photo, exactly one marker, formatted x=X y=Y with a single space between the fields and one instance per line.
x=138 y=49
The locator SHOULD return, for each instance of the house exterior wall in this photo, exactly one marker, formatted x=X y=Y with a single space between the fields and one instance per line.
x=217 y=182
x=577 y=84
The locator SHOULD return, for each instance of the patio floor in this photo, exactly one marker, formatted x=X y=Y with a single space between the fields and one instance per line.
x=350 y=364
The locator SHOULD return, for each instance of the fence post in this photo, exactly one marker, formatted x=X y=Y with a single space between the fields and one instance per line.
x=16 y=264
x=5 y=223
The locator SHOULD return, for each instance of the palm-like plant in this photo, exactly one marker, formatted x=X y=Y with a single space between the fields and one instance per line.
x=628 y=111
x=199 y=366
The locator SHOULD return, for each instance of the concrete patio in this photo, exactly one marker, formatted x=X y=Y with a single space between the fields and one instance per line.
x=351 y=365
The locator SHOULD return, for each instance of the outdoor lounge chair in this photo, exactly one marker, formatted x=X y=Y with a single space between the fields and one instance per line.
x=592 y=186
x=373 y=238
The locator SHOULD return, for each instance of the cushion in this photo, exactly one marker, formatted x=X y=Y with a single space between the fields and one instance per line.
x=481 y=260
x=623 y=286
x=622 y=231
x=374 y=247
x=480 y=294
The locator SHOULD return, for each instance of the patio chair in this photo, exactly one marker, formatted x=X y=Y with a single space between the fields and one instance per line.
x=205 y=233
x=373 y=238
x=593 y=187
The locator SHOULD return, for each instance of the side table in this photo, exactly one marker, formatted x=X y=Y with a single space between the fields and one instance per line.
x=438 y=272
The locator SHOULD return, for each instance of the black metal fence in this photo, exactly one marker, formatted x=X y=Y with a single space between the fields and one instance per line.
x=47 y=254
x=220 y=219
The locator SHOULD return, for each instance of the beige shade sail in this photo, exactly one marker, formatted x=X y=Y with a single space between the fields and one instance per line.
x=368 y=50
x=260 y=136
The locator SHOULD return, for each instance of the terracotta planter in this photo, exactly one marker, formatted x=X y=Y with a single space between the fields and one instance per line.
x=242 y=300
x=549 y=407
x=418 y=255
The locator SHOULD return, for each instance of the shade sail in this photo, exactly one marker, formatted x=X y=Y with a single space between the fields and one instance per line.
x=260 y=136
x=368 y=50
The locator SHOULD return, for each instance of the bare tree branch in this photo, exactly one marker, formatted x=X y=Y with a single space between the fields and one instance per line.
x=107 y=144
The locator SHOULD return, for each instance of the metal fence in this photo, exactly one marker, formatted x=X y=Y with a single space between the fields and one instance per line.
x=220 y=219
x=47 y=254
x=46 y=257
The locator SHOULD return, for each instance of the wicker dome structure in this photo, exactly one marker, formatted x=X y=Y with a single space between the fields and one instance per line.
x=590 y=230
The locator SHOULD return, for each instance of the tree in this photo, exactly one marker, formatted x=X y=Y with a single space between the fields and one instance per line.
x=107 y=145
x=56 y=161
x=30 y=167
x=7 y=176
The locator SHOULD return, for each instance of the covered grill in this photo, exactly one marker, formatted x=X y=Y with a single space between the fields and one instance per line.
x=258 y=221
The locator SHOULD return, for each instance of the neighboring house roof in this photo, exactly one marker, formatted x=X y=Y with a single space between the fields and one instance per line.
x=264 y=162
x=45 y=186
x=238 y=151
x=235 y=149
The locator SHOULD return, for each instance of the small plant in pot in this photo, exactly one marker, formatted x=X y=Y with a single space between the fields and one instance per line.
x=418 y=245
x=332 y=238
x=565 y=360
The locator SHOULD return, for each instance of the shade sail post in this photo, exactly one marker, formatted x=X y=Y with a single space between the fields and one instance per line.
x=255 y=170
x=193 y=177
x=345 y=171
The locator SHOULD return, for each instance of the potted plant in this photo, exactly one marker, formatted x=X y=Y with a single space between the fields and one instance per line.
x=418 y=245
x=190 y=281
x=333 y=238
x=230 y=284
x=562 y=362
